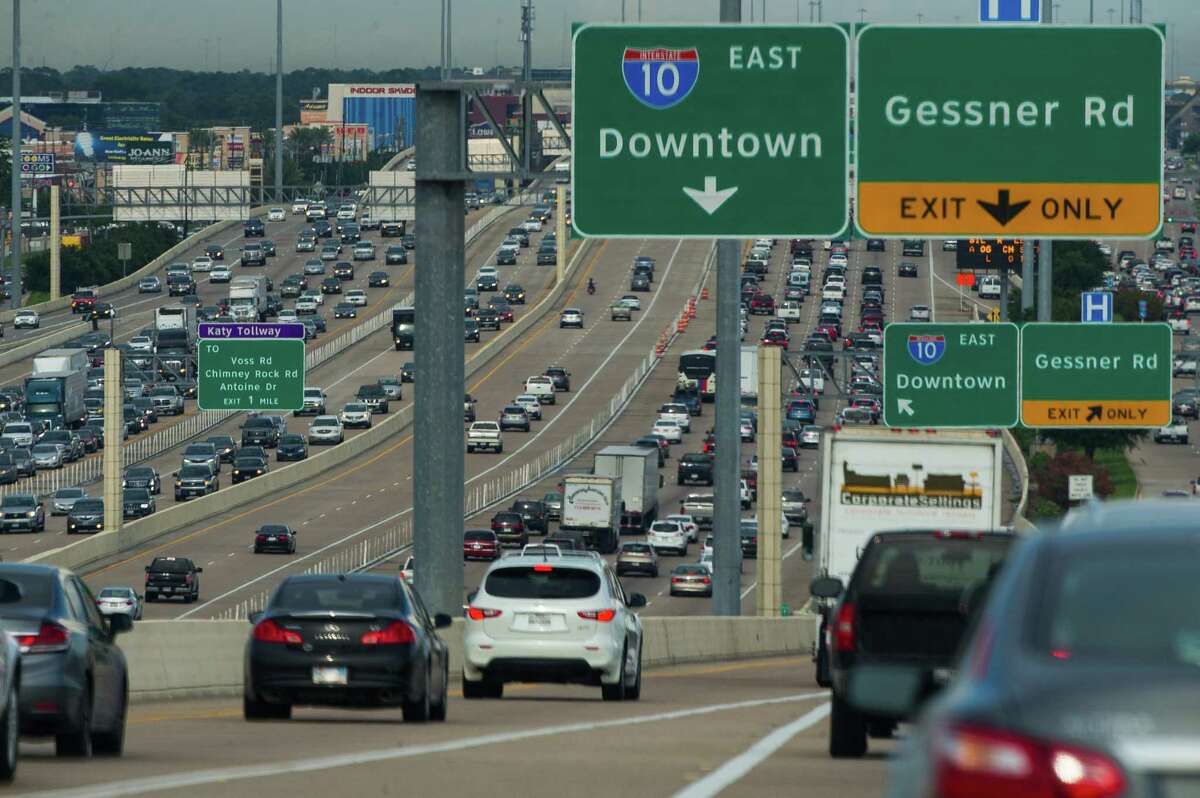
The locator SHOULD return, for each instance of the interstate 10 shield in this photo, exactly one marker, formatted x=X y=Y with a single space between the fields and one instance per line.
x=927 y=349
x=660 y=77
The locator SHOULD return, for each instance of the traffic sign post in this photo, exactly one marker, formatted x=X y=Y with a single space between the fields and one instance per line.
x=1095 y=375
x=1009 y=10
x=1013 y=131
x=672 y=138
x=250 y=367
x=1095 y=307
x=950 y=375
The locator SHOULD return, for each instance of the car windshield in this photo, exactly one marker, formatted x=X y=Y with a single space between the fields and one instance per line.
x=637 y=548
x=165 y=566
x=356 y=408
x=68 y=493
x=273 y=529
x=339 y=595
x=478 y=534
x=134 y=494
x=89 y=506
x=115 y=592
x=194 y=472
x=199 y=449
x=248 y=462
x=542 y=582
x=946 y=565
x=45 y=448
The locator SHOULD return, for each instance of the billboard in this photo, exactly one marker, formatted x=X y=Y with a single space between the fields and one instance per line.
x=387 y=109
x=37 y=164
x=124 y=146
x=313 y=111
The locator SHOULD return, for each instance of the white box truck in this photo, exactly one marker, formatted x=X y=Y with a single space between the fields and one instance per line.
x=248 y=298
x=637 y=468
x=874 y=480
x=749 y=375
x=592 y=505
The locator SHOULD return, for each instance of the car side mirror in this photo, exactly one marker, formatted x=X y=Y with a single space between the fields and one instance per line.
x=199 y=570
x=147 y=569
x=826 y=587
x=254 y=617
x=637 y=600
x=119 y=623
x=441 y=620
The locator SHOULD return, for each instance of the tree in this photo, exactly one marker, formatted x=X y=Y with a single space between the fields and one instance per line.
x=1191 y=145
x=1052 y=477
x=1091 y=441
x=1126 y=305
x=200 y=140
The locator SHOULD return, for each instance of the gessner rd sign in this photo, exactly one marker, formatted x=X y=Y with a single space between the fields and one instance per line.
x=695 y=131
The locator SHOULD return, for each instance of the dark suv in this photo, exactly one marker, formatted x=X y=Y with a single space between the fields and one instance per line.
x=510 y=529
x=561 y=378
x=910 y=603
x=260 y=431
x=167 y=577
x=695 y=467
x=533 y=514
x=374 y=397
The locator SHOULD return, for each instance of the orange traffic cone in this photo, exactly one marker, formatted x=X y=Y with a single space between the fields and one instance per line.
x=704 y=292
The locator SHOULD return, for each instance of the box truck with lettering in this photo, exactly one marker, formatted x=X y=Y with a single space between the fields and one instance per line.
x=55 y=388
x=637 y=468
x=875 y=480
x=749 y=375
x=591 y=506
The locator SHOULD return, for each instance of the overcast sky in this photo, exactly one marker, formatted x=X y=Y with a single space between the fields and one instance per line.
x=240 y=34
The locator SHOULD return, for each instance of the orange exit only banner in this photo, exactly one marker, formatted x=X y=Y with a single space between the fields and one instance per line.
x=1068 y=210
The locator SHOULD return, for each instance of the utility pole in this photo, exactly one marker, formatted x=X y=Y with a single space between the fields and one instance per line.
x=15 y=129
x=278 y=101
x=527 y=40
x=727 y=544
x=1091 y=12
x=55 y=242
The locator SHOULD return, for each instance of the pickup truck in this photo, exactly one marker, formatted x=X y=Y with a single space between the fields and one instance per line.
x=172 y=576
x=484 y=435
x=795 y=506
x=1175 y=432
x=542 y=387
x=700 y=507
x=694 y=467
x=903 y=607
x=166 y=400
x=620 y=312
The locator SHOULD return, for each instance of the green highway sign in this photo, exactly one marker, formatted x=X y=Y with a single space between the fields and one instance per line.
x=950 y=375
x=250 y=374
x=1009 y=131
x=1096 y=375
x=695 y=131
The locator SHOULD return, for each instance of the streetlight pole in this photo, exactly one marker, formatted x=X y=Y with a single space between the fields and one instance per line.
x=278 y=100
x=15 y=141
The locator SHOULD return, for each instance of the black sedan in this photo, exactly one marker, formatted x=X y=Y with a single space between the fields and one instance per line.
x=346 y=640
x=52 y=616
x=907 y=269
x=1064 y=690
x=407 y=371
x=215 y=251
x=275 y=537
x=225 y=445
x=515 y=294
x=331 y=285
x=344 y=310
x=248 y=467
x=292 y=446
x=378 y=280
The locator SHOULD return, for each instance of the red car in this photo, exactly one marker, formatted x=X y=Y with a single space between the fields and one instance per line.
x=762 y=304
x=480 y=544
x=710 y=443
x=790 y=439
x=775 y=338
x=828 y=330
x=1187 y=227
x=711 y=344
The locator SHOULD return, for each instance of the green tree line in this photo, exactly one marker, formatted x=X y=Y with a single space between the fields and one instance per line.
x=98 y=264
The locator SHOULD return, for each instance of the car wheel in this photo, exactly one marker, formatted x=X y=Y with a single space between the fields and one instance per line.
x=822 y=675
x=78 y=742
x=420 y=710
x=10 y=734
x=634 y=691
x=437 y=710
x=260 y=710
x=847 y=731
x=484 y=688
x=616 y=692
x=112 y=742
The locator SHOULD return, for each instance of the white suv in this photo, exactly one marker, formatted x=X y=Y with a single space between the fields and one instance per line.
x=548 y=615
x=668 y=536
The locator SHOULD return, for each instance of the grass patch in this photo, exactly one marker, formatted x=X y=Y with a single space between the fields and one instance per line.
x=37 y=297
x=1119 y=471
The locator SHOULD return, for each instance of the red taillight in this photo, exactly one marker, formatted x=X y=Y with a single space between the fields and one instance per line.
x=187 y=579
x=270 y=632
x=675 y=580
x=396 y=633
x=843 y=630
x=542 y=569
x=706 y=580
x=479 y=613
x=260 y=538
x=988 y=763
x=602 y=616
x=50 y=638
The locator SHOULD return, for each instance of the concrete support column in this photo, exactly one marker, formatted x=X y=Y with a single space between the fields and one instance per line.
x=770 y=482
x=114 y=454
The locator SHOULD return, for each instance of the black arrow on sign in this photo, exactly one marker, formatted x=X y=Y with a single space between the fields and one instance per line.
x=1094 y=412
x=1002 y=210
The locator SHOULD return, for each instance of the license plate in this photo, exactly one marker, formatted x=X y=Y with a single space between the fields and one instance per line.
x=476 y=546
x=536 y=619
x=166 y=589
x=327 y=675
x=271 y=539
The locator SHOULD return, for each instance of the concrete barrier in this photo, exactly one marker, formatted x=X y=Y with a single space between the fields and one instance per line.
x=106 y=544
x=193 y=659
